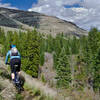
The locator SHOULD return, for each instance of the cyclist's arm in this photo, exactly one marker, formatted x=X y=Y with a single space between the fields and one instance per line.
x=7 y=56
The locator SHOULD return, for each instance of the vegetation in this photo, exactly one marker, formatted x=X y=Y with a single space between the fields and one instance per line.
x=19 y=97
x=1 y=97
x=43 y=78
x=28 y=45
x=86 y=51
x=63 y=70
x=37 y=93
x=79 y=73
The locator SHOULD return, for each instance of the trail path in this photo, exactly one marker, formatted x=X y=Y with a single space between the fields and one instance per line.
x=44 y=88
x=7 y=89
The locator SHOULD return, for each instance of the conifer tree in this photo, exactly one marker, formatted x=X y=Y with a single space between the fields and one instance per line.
x=15 y=39
x=58 y=44
x=49 y=42
x=75 y=45
x=32 y=53
x=2 y=36
x=66 y=45
x=93 y=40
x=91 y=56
x=63 y=70
x=42 y=50
x=96 y=75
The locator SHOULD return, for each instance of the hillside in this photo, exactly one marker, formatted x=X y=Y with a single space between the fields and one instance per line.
x=63 y=64
x=43 y=23
x=8 y=90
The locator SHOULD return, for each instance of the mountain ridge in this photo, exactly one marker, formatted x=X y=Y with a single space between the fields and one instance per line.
x=43 y=23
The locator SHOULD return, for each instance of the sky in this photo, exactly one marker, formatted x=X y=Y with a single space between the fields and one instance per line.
x=84 y=13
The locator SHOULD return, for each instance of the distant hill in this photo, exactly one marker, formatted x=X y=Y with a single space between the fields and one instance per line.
x=44 y=24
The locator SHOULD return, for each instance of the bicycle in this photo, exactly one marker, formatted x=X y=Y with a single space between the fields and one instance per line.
x=17 y=80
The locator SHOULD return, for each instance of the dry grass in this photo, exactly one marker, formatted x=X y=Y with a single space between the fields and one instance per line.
x=36 y=93
x=87 y=94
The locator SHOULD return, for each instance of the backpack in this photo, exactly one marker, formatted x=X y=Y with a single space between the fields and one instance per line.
x=14 y=51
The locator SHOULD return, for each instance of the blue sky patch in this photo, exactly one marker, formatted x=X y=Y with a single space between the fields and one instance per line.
x=74 y=5
x=20 y=4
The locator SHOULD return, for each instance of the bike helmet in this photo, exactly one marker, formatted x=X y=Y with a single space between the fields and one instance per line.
x=12 y=46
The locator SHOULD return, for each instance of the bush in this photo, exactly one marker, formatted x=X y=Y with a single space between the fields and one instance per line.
x=19 y=97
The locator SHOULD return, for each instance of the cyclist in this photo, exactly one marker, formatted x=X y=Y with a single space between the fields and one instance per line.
x=15 y=59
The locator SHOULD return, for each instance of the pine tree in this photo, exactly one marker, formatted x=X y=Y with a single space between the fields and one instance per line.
x=93 y=40
x=2 y=36
x=63 y=70
x=96 y=75
x=66 y=45
x=92 y=57
x=75 y=45
x=32 y=54
x=58 y=44
x=50 y=43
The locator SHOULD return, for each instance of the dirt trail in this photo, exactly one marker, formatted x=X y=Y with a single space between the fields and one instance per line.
x=44 y=88
x=39 y=85
x=7 y=89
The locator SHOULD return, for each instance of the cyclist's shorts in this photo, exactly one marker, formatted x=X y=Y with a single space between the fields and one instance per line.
x=13 y=62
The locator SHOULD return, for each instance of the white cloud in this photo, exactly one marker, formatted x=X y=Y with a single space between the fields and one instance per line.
x=40 y=8
x=91 y=3
x=7 y=5
x=79 y=10
x=85 y=16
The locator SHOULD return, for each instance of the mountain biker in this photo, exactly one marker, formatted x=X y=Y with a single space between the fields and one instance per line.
x=15 y=59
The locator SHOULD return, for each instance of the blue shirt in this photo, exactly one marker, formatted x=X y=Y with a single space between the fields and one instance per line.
x=11 y=57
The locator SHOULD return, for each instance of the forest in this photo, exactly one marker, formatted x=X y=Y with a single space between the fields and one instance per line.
x=76 y=59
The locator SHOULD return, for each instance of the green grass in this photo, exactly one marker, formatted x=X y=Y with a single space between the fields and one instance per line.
x=37 y=93
x=34 y=91
x=4 y=74
x=1 y=97
x=43 y=78
x=43 y=97
x=19 y=97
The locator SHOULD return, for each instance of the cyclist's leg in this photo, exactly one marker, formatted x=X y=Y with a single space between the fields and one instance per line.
x=19 y=64
x=12 y=69
x=18 y=70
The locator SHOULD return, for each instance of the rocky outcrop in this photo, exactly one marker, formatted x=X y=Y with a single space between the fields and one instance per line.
x=7 y=89
x=8 y=92
x=47 y=70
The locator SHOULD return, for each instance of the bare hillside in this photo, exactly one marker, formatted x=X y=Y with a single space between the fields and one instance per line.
x=43 y=23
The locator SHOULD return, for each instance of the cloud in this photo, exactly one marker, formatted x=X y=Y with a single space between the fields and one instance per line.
x=7 y=5
x=50 y=6
x=85 y=16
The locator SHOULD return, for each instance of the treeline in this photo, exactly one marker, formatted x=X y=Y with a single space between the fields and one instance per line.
x=84 y=70
x=76 y=60
x=92 y=58
x=28 y=44
x=62 y=48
